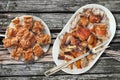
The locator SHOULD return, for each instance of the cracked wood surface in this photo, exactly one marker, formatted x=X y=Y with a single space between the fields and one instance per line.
x=55 y=13
x=53 y=5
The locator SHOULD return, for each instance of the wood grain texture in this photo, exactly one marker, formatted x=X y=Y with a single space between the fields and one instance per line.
x=53 y=20
x=55 y=13
x=68 y=77
x=103 y=66
x=112 y=76
x=55 y=5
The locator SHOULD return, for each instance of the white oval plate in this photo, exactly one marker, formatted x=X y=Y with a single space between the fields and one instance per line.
x=56 y=49
x=47 y=31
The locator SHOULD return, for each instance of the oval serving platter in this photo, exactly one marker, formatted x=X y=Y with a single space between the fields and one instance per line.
x=47 y=31
x=56 y=46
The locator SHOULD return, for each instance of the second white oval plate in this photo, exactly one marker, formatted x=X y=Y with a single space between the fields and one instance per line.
x=56 y=49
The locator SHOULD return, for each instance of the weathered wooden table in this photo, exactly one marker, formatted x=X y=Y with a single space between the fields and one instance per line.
x=55 y=13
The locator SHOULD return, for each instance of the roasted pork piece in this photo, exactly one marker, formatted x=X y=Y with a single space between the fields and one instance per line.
x=84 y=20
x=83 y=33
x=95 y=18
x=101 y=29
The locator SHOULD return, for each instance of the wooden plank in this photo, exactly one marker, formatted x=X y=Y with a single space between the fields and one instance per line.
x=57 y=5
x=53 y=20
x=113 y=76
x=105 y=66
x=3 y=5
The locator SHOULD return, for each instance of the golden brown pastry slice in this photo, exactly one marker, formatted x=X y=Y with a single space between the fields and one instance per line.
x=38 y=51
x=17 y=23
x=8 y=42
x=26 y=35
x=28 y=55
x=16 y=53
x=28 y=22
x=27 y=40
x=32 y=38
x=21 y=32
x=11 y=32
x=14 y=41
x=37 y=27
x=25 y=43
x=18 y=26
x=43 y=39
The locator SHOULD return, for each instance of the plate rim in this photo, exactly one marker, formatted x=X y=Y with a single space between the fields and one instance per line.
x=106 y=10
